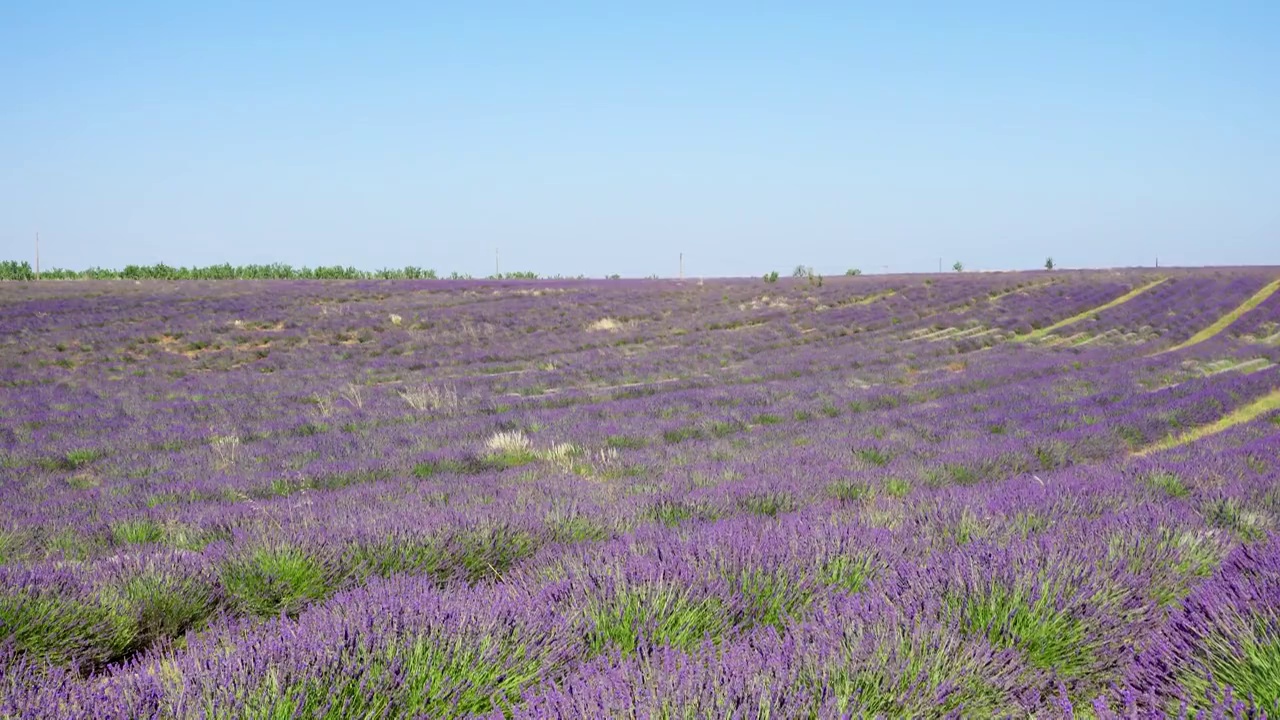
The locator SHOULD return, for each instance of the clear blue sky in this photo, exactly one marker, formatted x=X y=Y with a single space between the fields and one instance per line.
x=592 y=139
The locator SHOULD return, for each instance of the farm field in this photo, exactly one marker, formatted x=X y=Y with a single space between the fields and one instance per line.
x=1049 y=494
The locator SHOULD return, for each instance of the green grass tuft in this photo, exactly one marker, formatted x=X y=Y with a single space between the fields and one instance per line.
x=679 y=435
x=624 y=442
x=1167 y=482
x=849 y=491
x=275 y=580
x=576 y=529
x=49 y=627
x=488 y=552
x=654 y=615
x=770 y=504
x=163 y=606
x=136 y=532
x=850 y=573
x=896 y=487
x=1228 y=514
x=872 y=456
x=1243 y=653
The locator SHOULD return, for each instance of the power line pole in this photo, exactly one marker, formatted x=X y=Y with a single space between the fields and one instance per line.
x=681 y=266
x=939 y=264
x=37 y=255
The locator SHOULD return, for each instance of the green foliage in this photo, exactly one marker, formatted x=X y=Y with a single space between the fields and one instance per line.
x=1168 y=482
x=415 y=555
x=958 y=266
x=850 y=573
x=1050 y=637
x=767 y=419
x=136 y=532
x=771 y=277
x=510 y=458
x=872 y=456
x=849 y=491
x=76 y=459
x=13 y=270
x=10 y=543
x=1242 y=652
x=436 y=674
x=769 y=504
x=808 y=274
x=51 y=627
x=679 y=435
x=518 y=275
x=906 y=676
x=896 y=487
x=576 y=529
x=725 y=428
x=1171 y=559
x=308 y=429
x=852 y=272
x=673 y=512
x=624 y=442
x=654 y=614
x=953 y=473
x=1227 y=513
x=275 y=580
x=1132 y=436
x=487 y=552
x=1048 y=263
x=1052 y=455
x=163 y=606
x=773 y=597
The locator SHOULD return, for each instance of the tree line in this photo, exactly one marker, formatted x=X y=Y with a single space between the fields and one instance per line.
x=21 y=270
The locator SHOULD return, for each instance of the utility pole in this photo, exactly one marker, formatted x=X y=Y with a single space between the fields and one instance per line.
x=1157 y=261
x=939 y=264
x=681 y=266
x=37 y=255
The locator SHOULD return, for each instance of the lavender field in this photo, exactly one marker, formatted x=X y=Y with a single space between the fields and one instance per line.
x=1050 y=494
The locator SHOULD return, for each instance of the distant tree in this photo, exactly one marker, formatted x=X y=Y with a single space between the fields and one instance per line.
x=1048 y=263
x=853 y=271
x=771 y=277
x=801 y=271
x=16 y=270
x=615 y=276
x=958 y=267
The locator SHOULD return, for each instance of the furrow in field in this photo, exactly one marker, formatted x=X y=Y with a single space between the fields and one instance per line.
x=1093 y=311
x=1261 y=406
x=1223 y=322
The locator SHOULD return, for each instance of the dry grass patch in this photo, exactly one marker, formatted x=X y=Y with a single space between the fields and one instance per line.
x=605 y=325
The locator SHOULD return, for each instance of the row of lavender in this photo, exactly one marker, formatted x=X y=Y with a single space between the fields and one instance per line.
x=450 y=444
x=1131 y=591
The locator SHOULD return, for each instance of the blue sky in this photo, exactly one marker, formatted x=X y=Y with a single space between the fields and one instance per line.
x=588 y=138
